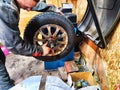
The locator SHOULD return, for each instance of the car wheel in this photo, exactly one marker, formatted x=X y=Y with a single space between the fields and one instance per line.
x=53 y=29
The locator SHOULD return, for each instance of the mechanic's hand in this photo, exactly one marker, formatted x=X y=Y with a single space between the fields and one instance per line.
x=36 y=54
x=46 y=49
x=41 y=50
x=59 y=11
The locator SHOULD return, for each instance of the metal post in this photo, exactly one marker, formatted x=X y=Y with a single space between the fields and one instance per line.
x=94 y=15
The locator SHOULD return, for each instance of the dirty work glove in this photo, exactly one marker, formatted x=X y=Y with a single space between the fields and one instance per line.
x=38 y=52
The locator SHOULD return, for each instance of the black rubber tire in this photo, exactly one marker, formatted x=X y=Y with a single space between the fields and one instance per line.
x=50 y=18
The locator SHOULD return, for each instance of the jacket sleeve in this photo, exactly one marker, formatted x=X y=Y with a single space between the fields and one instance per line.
x=10 y=34
x=12 y=40
x=43 y=7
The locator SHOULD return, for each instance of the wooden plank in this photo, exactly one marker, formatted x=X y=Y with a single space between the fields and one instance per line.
x=94 y=62
x=80 y=9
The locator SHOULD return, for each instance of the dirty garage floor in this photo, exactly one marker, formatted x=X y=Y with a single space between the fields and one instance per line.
x=21 y=67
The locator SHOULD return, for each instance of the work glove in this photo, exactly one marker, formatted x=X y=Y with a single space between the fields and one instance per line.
x=38 y=52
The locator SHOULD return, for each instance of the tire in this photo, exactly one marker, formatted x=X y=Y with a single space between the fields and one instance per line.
x=108 y=14
x=54 y=29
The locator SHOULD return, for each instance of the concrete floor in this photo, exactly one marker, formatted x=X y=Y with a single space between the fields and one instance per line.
x=22 y=67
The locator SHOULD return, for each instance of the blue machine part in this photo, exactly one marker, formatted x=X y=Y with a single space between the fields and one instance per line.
x=58 y=63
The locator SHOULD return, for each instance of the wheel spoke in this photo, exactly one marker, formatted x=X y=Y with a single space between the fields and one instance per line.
x=59 y=48
x=61 y=42
x=64 y=35
x=53 y=52
x=49 y=30
x=56 y=31
x=37 y=39
x=44 y=35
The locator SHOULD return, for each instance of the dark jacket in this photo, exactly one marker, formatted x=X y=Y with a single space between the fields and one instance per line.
x=9 y=30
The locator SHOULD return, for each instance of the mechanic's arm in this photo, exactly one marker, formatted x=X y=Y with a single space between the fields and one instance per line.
x=10 y=34
x=11 y=39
